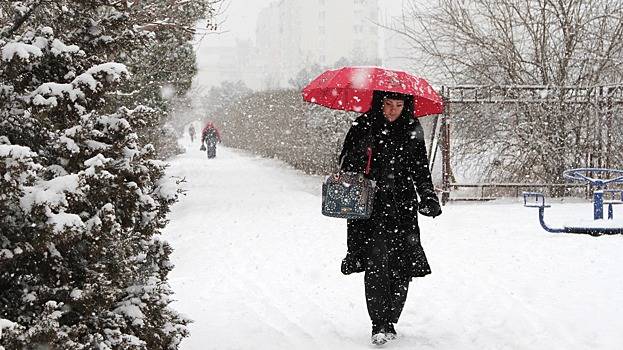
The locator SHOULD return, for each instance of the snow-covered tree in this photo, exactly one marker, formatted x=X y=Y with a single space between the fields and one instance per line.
x=82 y=196
x=223 y=96
x=151 y=37
x=572 y=48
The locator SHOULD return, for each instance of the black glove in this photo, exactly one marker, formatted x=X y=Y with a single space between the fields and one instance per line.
x=429 y=206
x=352 y=263
x=202 y=148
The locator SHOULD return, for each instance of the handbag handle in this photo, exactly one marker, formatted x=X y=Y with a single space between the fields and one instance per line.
x=370 y=140
x=369 y=162
x=368 y=153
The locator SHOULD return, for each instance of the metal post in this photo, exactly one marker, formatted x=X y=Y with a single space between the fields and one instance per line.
x=599 y=131
x=609 y=116
x=610 y=213
x=432 y=147
x=445 y=150
x=598 y=204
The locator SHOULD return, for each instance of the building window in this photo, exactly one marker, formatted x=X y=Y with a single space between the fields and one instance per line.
x=321 y=15
x=321 y=29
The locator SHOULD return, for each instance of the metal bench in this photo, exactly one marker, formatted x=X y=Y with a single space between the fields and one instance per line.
x=582 y=174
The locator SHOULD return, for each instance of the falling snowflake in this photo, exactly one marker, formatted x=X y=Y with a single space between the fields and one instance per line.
x=361 y=78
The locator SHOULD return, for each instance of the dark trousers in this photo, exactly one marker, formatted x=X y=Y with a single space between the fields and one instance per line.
x=386 y=291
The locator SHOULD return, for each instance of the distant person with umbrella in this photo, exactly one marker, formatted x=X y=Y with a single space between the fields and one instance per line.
x=387 y=245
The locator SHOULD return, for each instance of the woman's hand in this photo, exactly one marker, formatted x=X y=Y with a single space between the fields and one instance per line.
x=429 y=206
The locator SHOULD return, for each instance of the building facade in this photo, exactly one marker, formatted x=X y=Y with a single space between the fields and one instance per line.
x=296 y=34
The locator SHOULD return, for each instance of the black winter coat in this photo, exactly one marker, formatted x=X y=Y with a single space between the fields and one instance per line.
x=400 y=168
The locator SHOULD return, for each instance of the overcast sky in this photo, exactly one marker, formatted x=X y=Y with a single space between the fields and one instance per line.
x=239 y=17
x=237 y=21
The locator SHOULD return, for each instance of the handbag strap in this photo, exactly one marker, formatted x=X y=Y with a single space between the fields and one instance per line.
x=369 y=163
x=370 y=140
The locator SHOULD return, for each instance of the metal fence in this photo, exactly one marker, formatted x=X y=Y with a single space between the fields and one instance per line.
x=601 y=102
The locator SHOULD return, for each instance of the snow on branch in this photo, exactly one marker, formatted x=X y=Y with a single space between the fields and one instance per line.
x=6 y=90
x=48 y=94
x=111 y=72
x=54 y=91
x=16 y=152
x=21 y=50
x=63 y=221
x=58 y=48
x=152 y=27
x=51 y=193
x=17 y=165
x=132 y=310
x=5 y=324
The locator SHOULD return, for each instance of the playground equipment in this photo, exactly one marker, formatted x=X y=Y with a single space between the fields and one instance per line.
x=610 y=176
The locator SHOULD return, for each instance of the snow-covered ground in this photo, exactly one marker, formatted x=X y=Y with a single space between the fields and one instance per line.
x=257 y=267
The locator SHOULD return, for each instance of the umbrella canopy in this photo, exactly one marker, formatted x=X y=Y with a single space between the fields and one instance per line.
x=351 y=89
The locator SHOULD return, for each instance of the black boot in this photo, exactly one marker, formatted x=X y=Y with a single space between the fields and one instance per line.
x=379 y=334
x=390 y=332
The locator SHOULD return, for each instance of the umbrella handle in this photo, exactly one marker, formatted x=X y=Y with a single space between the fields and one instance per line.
x=369 y=163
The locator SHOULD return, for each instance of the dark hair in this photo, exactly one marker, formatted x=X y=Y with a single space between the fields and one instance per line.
x=377 y=102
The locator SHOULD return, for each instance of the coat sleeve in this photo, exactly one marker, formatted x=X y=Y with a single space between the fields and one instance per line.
x=419 y=165
x=347 y=155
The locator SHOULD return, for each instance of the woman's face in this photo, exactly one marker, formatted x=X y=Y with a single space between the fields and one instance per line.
x=392 y=108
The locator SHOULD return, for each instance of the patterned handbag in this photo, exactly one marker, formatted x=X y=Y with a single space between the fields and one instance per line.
x=349 y=195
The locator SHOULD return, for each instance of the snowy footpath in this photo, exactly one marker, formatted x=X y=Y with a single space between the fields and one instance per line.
x=257 y=267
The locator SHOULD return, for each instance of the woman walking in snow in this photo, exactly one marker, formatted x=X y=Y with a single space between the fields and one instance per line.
x=387 y=245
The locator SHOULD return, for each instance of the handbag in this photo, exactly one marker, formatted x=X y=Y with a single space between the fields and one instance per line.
x=349 y=195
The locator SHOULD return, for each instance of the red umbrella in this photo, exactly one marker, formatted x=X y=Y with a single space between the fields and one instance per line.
x=351 y=89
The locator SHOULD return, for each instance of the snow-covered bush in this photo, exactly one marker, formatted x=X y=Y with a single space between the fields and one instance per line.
x=82 y=194
x=280 y=124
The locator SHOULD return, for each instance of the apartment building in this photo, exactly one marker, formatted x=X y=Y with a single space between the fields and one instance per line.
x=294 y=34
